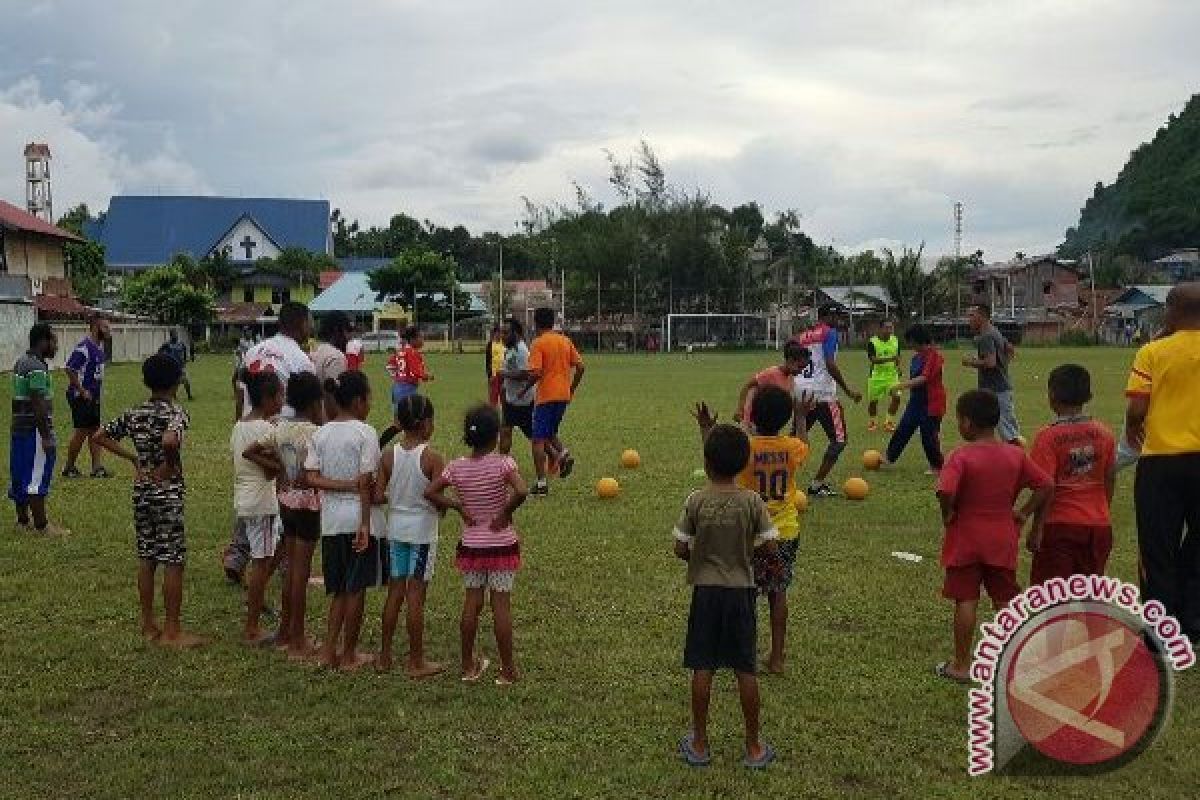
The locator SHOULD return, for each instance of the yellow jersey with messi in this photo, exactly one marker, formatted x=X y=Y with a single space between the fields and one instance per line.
x=771 y=471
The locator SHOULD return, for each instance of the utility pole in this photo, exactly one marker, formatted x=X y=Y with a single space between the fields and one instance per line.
x=500 y=299
x=958 y=276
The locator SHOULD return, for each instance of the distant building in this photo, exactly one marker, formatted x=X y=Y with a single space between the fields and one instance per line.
x=33 y=265
x=1180 y=266
x=1030 y=290
x=140 y=232
x=39 y=200
x=1142 y=307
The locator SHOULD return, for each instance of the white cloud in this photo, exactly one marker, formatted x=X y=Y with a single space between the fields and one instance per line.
x=871 y=117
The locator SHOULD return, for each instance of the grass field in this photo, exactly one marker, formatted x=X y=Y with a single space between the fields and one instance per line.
x=89 y=710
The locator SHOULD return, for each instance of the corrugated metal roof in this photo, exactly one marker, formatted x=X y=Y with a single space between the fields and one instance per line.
x=144 y=231
x=19 y=219
x=353 y=294
x=841 y=295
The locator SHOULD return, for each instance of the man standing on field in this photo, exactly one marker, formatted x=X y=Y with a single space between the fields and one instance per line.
x=993 y=355
x=85 y=373
x=556 y=369
x=884 y=352
x=816 y=390
x=1162 y=420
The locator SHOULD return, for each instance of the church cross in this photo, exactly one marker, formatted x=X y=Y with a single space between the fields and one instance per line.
x=249 y=245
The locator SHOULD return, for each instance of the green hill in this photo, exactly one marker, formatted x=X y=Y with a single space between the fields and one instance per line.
x=1154 y=205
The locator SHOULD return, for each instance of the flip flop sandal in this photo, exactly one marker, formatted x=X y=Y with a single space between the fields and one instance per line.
x=689 y=754
x=942 y=670
x=762 y=761
x=483 y=665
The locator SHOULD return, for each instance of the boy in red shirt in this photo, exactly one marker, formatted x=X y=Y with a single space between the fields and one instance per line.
x=407 y=366
x=976 y=489
x=1081 y=455
x=795 y=359
x=926 y=401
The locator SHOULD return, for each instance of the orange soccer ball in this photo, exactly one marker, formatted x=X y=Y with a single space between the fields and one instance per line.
x=608 y=488
x=856 y=488
x=631 y=459
x=872 y=459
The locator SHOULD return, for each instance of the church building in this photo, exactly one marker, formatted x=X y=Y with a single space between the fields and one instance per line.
x=140 y=232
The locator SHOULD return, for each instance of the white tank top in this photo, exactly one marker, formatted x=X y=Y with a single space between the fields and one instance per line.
x=410 y=516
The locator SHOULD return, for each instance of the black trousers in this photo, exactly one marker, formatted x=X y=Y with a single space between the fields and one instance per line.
x=1167 y=499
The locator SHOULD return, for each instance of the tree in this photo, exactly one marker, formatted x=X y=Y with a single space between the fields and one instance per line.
x=425 y=278
x=165 y=295
x=73 y=221
x=295 y=264
x=914 y=291
x=85 y=265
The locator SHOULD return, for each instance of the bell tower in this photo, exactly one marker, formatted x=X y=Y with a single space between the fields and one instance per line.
x=37 y=181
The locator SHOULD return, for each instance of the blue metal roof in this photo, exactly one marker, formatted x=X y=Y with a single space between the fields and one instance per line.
x=145 y=231
x=353 y=294
x=362 y=263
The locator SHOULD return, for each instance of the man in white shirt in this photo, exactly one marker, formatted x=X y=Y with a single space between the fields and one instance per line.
x=329 y=356
x=516 y=399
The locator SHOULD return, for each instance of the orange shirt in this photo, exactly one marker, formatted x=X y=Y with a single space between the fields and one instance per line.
x=553 y=357
x=1077 y=453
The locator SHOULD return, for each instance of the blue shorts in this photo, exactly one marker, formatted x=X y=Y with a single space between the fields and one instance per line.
x=400 y=391
x=29 y=467
x=407 y=560
x=547 y=418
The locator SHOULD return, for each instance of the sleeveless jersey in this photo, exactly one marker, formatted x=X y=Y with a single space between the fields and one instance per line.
x=885 y=348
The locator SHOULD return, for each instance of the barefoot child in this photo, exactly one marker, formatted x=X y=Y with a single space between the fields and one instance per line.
x=489 y=489
x=156 y=428
x=286 y=446
x=342 y=463
x=976 y=489
x=1081 y=455
x=405 y=473
x=254 y=498
x=721 y=527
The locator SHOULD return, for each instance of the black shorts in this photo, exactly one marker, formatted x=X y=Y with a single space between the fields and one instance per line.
x=721 y=630
x=519 y=417
x=302 y=524
x=345 y=570
x=85 y=414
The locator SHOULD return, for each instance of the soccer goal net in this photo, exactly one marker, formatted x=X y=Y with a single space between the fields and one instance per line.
x=714 y=331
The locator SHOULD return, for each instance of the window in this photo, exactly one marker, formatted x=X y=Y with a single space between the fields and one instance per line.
x=280 y=296
x=247 y=294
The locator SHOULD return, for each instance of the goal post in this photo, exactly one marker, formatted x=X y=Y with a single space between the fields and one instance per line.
x=721 y=330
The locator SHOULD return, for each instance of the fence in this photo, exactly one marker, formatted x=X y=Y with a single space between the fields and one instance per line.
x=16 y=318
x=129 y=342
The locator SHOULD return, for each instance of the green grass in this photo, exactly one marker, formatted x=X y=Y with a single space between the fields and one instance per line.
x=88 y=709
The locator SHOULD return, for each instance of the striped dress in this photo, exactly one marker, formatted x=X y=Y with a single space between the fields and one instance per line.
x=482 y=486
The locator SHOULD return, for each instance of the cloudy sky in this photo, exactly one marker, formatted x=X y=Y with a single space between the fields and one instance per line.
x=869 y=117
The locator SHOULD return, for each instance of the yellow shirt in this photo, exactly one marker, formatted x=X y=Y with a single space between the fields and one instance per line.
x=498 y=350
x=771 y=471
x=1168 y=370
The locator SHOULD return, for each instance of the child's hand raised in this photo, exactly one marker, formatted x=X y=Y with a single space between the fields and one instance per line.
x=704 y=417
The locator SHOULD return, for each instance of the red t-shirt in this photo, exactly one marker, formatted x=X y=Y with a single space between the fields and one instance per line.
x=1078 y=453
x=985 y=479
x=771 y=376
x=407 y=365
x=931 y=363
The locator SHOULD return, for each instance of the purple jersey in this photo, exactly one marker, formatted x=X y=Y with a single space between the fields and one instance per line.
x=87 y=361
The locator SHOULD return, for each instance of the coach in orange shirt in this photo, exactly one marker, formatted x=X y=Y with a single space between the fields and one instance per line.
x=556 y=369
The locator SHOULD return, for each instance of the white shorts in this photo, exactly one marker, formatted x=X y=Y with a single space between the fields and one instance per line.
x=499 y=581
x=262 y=533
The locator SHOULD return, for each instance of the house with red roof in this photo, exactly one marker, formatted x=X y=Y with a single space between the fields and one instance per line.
x=33 y=263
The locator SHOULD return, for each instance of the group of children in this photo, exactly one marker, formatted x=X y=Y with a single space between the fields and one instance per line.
x=324 y=478
x=739 y=534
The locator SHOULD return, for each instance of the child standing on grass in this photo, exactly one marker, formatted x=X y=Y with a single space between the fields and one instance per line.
x=1075 y=536
x=254 y=498
x=342 y=463
x=286 y=446
x=926 y=401
x=405 y=473
x=721 y=528
x=489 y=490
x=407 y=365
x=977 y=489
x=156 y=428
x=775 y=460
